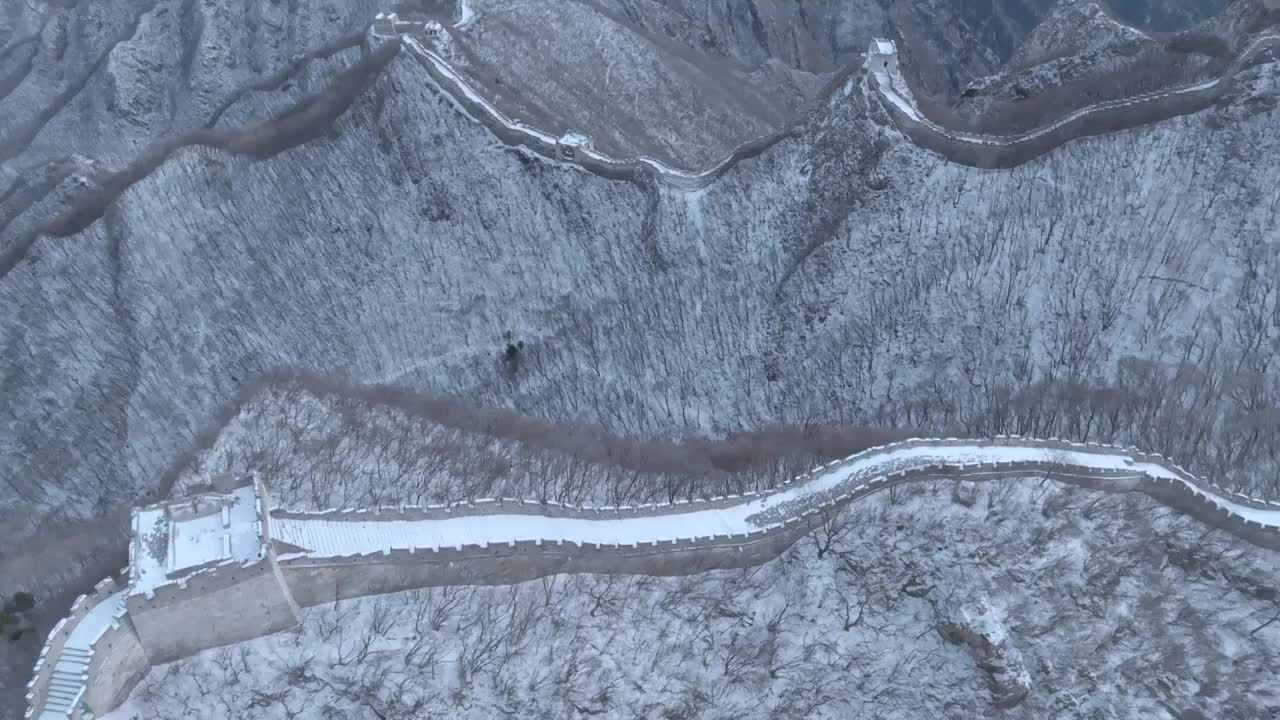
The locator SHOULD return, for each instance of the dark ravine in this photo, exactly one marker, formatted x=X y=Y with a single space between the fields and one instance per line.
x=22 y=136
x=295 y=65
x=13 y=79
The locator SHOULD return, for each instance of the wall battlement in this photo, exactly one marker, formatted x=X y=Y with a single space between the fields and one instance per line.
x=243 y=598
x=207 y=580
x=65 y=673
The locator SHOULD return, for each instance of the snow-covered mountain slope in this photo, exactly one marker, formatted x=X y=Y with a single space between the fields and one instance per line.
x=1029 y=600
x=415 y=243
x=634 y=90
x=1120 y=291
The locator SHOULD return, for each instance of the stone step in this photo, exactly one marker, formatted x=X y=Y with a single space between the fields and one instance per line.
x=64 y=684
x=72 y=667
x=61 y=701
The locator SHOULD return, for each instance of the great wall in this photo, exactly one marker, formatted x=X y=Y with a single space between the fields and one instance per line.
x=245 y=569
x=429 y=42
x=1004 y=151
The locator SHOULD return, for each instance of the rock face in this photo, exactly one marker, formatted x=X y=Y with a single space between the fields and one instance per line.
x=1002 y=663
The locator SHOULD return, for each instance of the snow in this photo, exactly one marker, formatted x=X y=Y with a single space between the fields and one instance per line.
x=330 y=538
x=466 y=15
x=885 y=47
x=77 y=653
x=199 y=542
x=885 y=82
x=166 y=545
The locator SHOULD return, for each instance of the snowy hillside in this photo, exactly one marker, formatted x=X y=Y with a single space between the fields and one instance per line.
x=1120 y=289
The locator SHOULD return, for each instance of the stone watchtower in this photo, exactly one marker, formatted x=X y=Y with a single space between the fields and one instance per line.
x=882 y=57
x=570 y=145
x=203 y=573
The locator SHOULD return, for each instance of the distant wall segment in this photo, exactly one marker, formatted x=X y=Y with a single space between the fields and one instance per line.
x=997 y=151
x=985 y=151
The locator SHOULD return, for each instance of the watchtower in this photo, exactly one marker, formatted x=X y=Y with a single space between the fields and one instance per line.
x=882 y=56
x=202 y=572
x=569 y=145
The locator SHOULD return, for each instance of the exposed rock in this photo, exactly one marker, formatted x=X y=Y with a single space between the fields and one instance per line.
x=994 y=653
x=964 y=492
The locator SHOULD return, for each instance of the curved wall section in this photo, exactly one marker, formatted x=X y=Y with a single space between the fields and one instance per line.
x=94 y=657
x=89 y=661
x=985 y=151
x=996 y=151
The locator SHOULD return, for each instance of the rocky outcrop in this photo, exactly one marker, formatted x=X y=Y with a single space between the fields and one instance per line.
x=1002 y=663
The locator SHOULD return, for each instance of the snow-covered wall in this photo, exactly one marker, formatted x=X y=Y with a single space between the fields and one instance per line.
x=987 y=151
x=95 y=636
x=993 y=151
x=354 y=554
x=514 y=133
x=119 y=662
x=317 y=577
x=317 y=580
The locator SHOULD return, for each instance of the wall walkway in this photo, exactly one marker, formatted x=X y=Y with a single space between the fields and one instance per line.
x=94 y=657
x=90 y=661
x=986 y=151
x=997 y=151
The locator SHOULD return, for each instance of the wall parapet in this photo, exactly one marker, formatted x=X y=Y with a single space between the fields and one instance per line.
x=205 y=580
x=518 y=506
x=62 y=673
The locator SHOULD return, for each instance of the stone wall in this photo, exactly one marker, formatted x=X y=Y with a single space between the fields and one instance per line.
x=315 y=580
x=1013 y=152
x=318 y=580
x=235 y=603
x=515 y=506
x=978 y=151
x=231 y=602
x=119 y=663
x=1107 y=117
x=51 y=653
x=634 y=169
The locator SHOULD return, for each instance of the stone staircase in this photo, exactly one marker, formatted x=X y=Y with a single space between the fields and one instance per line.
x=67 y=684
